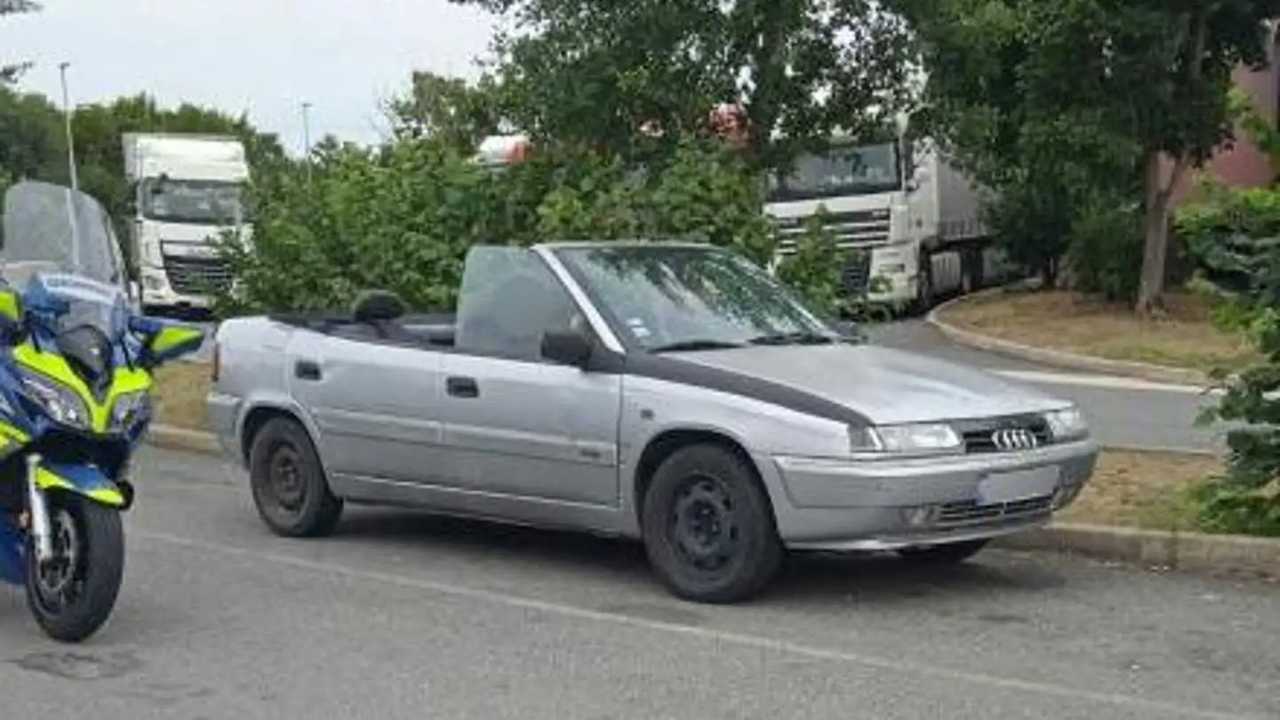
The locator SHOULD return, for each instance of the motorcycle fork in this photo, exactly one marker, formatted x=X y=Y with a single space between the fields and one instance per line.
x=38 y=509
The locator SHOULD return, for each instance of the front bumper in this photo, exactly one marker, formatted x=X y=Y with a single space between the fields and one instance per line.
x=158 y=293
x=830 y=504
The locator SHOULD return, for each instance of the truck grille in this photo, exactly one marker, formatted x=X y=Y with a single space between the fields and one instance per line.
x=969 y=512
x=980 y=435
x=858 y=229
x=197 y=276
x=855 y=278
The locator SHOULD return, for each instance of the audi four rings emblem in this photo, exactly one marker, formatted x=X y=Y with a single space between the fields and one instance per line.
x=1014 y=439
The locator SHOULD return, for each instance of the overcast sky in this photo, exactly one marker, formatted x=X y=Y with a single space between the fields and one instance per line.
x=263 y=56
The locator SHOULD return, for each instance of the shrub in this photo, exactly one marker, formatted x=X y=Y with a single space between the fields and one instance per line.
x=1105 y=251
x=1234 y=235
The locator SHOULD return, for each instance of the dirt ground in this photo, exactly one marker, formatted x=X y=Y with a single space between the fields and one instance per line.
x=1075 y=323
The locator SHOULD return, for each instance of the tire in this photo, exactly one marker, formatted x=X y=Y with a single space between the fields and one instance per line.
x=72 y=596
x=949 y=554
x=289 y=488
x=924 y=285
x=708 y=526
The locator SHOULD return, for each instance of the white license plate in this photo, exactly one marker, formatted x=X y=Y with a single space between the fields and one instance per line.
x=1018 y=485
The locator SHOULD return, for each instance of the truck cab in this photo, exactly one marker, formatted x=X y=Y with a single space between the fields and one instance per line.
x=906 y=221
x=188 y=191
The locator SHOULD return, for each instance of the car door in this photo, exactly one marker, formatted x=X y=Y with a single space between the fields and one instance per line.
x=514 y=423
x=375 y=404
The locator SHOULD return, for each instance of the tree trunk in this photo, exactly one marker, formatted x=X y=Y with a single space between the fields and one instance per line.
x=1156 y=236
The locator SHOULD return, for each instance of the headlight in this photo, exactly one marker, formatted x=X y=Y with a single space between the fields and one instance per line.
x=59 y=401
x=916 y=438
x=1067 y=424
x=130 y=408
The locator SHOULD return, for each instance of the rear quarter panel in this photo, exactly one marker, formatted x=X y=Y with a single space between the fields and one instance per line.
x=253 y=374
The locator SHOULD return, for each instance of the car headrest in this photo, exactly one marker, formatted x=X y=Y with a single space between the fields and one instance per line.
x=376 y=305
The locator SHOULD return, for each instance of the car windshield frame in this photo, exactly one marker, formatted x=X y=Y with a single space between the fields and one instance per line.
x=148 y=196
x=810 y=324
x=778 y=190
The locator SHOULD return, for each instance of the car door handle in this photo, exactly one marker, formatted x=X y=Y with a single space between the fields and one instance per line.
x=306 y=370
x=462 y=387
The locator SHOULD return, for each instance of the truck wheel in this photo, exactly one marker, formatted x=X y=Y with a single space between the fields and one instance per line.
x=924 y=285
x=289 y=487
x=708 y=526
x=949 y=554
x=72 y=594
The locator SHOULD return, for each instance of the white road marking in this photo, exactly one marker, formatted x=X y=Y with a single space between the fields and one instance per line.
x=1109 y=382
x=755 y=642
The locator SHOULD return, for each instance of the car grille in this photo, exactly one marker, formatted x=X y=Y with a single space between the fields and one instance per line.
x=197 y=276
x=979 y=434
x=969 y=512
x=858 y=229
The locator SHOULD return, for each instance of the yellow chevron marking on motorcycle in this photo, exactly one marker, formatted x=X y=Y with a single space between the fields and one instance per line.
x=9 y=433
x=10 y=305
x=55 y=367
x=174 y=336
x=48 y=480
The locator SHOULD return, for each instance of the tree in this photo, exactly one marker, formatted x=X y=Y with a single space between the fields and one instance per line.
x=10 y=73
x=636 y=78
x=1137 y=86
x=458 y=113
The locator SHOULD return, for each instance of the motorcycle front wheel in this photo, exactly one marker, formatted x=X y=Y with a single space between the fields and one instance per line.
x=72 y=594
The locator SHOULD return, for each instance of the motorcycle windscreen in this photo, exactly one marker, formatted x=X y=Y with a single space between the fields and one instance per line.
x=53 y=229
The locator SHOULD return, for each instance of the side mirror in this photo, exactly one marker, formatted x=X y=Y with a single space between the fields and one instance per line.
x=566 y=348
x=162 y=342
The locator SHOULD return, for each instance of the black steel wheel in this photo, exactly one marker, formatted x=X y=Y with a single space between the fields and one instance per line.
x=708 y=526
x=72 y=593
x=289 y=487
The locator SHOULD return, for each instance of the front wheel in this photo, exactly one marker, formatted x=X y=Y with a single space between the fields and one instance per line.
x=72 y=593
x=708 y=526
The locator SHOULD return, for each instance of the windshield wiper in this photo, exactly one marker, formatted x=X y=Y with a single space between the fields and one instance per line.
x=793 y=338
x=696 y=344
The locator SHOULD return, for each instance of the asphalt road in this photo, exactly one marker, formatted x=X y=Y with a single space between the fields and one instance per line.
x=403 y=615
x=1121 y=411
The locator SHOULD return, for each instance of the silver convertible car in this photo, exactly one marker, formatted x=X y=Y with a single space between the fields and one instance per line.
x=673 y=393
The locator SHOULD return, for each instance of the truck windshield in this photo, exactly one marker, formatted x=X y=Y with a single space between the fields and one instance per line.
x=691 y=298
x=204 y=202
x=840 y=172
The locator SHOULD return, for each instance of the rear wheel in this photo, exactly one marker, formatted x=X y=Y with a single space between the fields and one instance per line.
x=72 y=593
x=289 y=487
x=949 y=554
x=708 y=526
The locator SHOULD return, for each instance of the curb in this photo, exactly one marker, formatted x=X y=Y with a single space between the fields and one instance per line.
x=176 y=438
x=1058 y=358
x=1180 y=551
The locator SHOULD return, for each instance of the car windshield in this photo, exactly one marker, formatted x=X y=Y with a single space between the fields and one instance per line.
x=192 y=201
x=839 y=172
x=668 y=298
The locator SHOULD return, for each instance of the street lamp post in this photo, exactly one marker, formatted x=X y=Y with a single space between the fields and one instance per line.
x=306 y=136
x=66 y=110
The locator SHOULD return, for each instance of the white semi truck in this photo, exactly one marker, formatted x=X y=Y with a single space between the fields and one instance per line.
x=908 y=220
x=188 y=191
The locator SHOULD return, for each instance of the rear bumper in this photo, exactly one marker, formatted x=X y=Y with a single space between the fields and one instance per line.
x=224 y=418
x=886 y=504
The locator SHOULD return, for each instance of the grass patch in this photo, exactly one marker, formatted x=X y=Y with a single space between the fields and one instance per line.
x=1059 y=320
x=179 y=395
x=1144 y=490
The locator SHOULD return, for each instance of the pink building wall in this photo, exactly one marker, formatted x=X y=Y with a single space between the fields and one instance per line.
x=1242 y=164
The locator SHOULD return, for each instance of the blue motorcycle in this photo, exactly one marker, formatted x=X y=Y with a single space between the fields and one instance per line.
x=75 y=381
